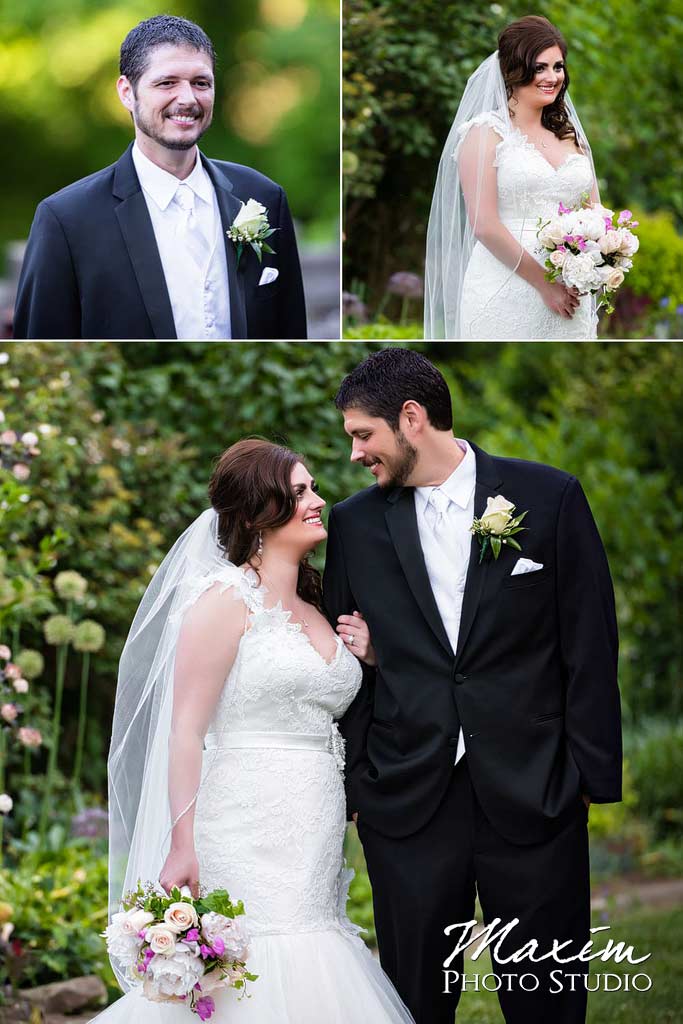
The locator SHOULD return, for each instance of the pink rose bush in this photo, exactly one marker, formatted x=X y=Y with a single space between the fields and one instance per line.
x=585 y=249
x=180 y=949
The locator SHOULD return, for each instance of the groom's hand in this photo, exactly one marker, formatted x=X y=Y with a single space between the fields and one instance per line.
x=354 y=817
x=354 y=632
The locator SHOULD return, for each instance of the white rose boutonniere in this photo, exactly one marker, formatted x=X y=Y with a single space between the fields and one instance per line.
x=251 y=227
x=497 y=526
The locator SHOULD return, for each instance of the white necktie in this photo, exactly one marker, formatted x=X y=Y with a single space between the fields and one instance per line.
x=188 y=231
x=435 y=512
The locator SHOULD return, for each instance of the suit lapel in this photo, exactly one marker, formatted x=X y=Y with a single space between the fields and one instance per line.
x=402 y=523
x=488 y=481
x=138 y=236
x=229 y=206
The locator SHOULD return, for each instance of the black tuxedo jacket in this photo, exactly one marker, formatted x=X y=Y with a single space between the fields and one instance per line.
x=92 y=267
x=533 y=682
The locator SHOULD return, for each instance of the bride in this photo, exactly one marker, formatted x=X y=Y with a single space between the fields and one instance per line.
x=515 y=151
x=225 y=765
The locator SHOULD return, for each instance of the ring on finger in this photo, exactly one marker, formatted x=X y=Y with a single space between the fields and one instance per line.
x=350 y=639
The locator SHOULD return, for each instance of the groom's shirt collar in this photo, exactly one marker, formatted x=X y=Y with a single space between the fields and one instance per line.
x=162 y=186
x=459 y=486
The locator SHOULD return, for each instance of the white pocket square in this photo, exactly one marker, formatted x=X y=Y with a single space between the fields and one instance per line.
x=269 y=275
x=525 y=565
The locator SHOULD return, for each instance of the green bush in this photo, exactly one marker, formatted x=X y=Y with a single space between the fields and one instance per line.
x=385 y=330
x=58 y=906
x=657 y=763
x=658 y=265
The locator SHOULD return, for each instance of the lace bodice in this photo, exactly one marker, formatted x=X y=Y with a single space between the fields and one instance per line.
x=279 y=681
x=529 y=186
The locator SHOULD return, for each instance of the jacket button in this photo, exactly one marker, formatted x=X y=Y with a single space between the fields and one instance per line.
x=460 y=678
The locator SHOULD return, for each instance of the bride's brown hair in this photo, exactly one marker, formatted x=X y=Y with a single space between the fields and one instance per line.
x=251 y=491
x=518 y=48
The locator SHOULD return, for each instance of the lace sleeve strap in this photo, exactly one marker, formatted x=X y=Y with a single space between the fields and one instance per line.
x=487 y=119
x=245 y=587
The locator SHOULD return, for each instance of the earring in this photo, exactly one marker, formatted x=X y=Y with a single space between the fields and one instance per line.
x=259 y=550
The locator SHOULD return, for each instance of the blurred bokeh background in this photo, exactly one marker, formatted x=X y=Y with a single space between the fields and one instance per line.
x=405 y=68
x=277 y=109
x=105 y=453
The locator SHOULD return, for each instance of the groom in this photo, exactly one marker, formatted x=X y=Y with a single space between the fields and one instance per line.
x=140 y=249
x=491 y=718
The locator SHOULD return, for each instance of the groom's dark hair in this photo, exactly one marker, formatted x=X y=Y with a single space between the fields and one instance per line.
x=383 y=382
x=161 y=30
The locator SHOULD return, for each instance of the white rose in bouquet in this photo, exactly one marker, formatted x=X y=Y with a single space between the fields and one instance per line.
x=552 y=233
x=231 y=930
x=180 y=916
x=580 y=272
x=174 y=975
x=614 y=278
x=558 y=257
x=590 y=223
x=161 y=939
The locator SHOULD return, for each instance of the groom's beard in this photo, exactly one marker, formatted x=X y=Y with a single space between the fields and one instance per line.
x=186 y=142
x=400 y=468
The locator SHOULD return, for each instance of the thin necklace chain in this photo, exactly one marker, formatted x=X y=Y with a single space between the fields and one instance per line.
x=279 y=596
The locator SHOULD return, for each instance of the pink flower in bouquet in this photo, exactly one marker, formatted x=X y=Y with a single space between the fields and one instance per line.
x=231 y=930
x=5 y=652
x=564 y=209
x=180 y=916
x=193 y=935
x=205 y=1007
x=9 y=712
x=161 y=939
x=30 y=737
x=218 y=946
x=624 y=216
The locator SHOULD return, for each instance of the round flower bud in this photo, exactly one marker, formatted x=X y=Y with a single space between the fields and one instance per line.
x=71 y=586
x=58 y=629
x=5 y=652
x=7 y=592
x=88 y=636
x=30 y=737
x=9 y=712
x=6 y=803
x=31 y=663
x=20 y=685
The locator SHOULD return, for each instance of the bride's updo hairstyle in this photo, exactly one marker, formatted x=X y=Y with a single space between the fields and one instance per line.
x=251 y=491
x=518 y=48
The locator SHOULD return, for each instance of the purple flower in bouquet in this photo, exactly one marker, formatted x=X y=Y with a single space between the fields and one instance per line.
x=218 y=946
x=204 y=1007
x=564 y=209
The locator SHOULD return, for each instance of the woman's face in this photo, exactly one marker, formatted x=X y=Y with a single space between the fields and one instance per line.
x=547 y=82
x=305 y=529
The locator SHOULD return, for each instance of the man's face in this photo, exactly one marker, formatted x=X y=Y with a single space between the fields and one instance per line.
x=173 y=101
x=389 y=455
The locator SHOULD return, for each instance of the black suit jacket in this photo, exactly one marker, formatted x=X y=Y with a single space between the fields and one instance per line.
x=92 y=267
x=533 y=681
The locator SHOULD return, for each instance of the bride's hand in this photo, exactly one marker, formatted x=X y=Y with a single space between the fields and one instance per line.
x=180 y=868
x=354 y=632
x=562 y=300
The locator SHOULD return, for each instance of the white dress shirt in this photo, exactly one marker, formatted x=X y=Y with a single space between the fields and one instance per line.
x=443 y=523
x=189 y=235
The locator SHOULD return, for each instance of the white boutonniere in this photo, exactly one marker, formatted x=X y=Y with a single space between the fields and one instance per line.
x=251 y=227
x=497 y=526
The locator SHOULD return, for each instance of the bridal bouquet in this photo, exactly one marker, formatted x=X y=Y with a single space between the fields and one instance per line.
x=181 y=949
x=586 y=249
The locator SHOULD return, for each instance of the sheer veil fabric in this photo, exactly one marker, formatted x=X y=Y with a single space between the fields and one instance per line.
x=139 y=814
x=457 y=220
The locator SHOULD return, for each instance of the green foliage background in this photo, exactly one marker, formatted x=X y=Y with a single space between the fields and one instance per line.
x=405 y=68
x=61 y=118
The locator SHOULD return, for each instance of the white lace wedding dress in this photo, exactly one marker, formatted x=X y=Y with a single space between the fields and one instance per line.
x=498 y=304
x=269 y=828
